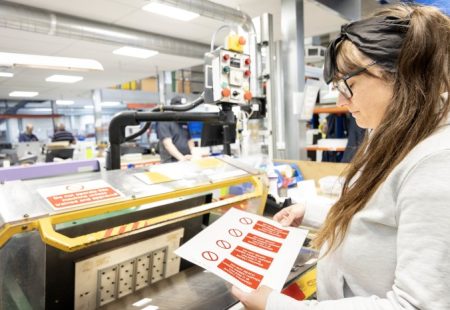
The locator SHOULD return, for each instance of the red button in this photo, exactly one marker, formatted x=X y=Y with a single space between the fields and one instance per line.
x=247 y=61
x=248 y=96
x=226 y=92
x=247 y=73
x=226 y=57
x=242 y=41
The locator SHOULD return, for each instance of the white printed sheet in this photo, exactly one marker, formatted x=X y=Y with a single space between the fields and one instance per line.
x=246 y=250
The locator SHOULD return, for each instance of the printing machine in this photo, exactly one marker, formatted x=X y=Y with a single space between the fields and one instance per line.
x=55 y=259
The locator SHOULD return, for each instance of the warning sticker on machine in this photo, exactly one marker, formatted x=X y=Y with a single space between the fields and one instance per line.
x=262 y=243
x=243 y=253
x=79 y=194
x=247 y=277
x=252 y=257
x=271 y=230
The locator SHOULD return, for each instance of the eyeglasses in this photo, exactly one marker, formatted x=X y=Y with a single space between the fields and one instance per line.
x=341 y=84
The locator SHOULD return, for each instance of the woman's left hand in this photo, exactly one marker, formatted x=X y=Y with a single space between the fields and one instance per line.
x=255 y=300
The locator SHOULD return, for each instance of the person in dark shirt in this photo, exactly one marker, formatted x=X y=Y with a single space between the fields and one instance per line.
x=175 y=143
x=62 y=135
x=28 y=135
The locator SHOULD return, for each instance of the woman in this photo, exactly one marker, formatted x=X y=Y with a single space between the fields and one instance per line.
x=385 y=244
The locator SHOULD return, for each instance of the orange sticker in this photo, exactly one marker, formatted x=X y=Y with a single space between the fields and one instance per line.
x=271 y=230
x=243 y=275
x=82 y=197
x=252 y=257
x=262 y=243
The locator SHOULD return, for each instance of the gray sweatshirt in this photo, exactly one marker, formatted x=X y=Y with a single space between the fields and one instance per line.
x=396 y=253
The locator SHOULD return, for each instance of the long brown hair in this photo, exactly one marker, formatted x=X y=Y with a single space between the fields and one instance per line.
x=415 y=112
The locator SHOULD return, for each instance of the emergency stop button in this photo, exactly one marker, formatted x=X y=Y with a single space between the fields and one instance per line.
x=226 y=92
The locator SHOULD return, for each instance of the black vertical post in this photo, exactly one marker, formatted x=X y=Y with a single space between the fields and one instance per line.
x=226 y=139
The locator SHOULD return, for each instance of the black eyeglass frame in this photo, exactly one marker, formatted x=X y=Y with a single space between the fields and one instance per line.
x=348 y=76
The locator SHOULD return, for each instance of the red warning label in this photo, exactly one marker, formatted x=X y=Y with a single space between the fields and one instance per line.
x=243 y=275
x=262 y=243
x=271 y=230
x=252 y=257
x=82 y=197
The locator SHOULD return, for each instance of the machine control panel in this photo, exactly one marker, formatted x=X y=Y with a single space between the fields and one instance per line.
x=227 y=77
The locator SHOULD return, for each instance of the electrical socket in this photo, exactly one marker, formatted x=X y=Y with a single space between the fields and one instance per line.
x=159 y=258
x=107 y=285
x=142 y=271
x=126 y=278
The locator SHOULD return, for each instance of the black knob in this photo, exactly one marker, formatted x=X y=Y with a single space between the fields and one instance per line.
x=235 y=93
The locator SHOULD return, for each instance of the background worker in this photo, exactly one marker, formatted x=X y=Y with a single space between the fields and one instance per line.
x=175 y=142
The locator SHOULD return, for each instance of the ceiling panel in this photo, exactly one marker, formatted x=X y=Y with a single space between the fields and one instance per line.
x=128 y=13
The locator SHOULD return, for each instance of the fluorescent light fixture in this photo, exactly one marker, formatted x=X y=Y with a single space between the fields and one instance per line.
x=64 y=78
x=64 y=102
x=135 y=52
x=89 y=107
x=170 y=11
x=110 y=103
x=49 y=62
x=27 y=94
x=6 y=74
x=41 y=110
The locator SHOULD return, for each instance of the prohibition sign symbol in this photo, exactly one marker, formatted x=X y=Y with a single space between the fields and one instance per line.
x=211 y=256
x=235 y=232
x=223 y=244
x=246 y=220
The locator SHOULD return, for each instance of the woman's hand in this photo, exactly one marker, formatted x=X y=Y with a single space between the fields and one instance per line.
x=291 y=216
x=255 y=300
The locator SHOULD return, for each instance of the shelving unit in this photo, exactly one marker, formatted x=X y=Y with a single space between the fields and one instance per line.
x=10 y=116
x=324 y=148
x=331 y=109
x=326 y=109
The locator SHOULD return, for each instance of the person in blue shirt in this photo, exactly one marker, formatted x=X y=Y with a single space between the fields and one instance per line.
x=28 y=135
x=62 y=134
x=175 y=142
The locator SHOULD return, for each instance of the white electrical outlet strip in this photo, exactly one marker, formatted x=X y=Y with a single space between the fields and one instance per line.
x=111 y=275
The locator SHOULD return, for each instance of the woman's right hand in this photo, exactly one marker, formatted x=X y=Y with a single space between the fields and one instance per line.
x=291 y=216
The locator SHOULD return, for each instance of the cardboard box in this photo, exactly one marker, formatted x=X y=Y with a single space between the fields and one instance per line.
x=150 y=85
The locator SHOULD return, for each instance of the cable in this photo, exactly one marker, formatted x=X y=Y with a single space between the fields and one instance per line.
x=179 y=108
x=140 y=132
x=213 y=39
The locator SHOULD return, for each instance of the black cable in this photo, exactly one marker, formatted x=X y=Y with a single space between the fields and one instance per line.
x=140 y=132
x=178 y=108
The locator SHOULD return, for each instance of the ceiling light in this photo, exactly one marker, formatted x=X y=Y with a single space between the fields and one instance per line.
x=90 y=107
x=6 y=74
x=170 y=11
x=110 y=103
x=27 y=94
x=135 y=52
x=64 y=102
x=49 y=62
x=64 y=78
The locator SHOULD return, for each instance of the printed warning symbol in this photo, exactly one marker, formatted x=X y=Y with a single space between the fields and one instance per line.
x=246 y=220
x=235 y=232
x=223 y=244
x=211 y=256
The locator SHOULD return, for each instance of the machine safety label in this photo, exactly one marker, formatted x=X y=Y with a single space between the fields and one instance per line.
x=262 y=243
x=243 y=275
x=252 y=257
x=271 y=230
x=79 y=194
